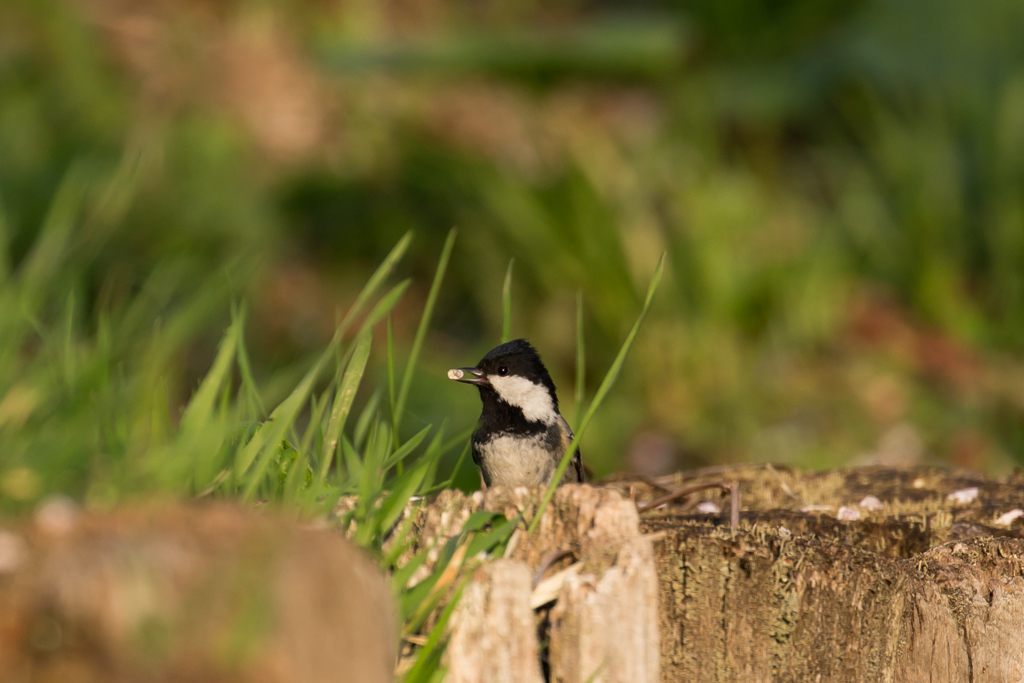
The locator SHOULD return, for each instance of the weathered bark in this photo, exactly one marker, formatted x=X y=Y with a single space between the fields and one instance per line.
x=211 y=593
x=924 y=588
x=497 y=638
x=603 y=627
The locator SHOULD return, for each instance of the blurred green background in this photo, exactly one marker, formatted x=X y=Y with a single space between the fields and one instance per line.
x=838 y=184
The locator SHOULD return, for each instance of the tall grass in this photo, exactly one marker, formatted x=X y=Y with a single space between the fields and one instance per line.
x=302 y=453
x=602 y=392
x=789 y=165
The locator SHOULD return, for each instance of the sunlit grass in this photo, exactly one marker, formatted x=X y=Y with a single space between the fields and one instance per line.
x=788 y=207
x=304 y=453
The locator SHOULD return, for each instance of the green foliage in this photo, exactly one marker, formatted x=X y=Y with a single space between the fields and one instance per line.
x=837 y=185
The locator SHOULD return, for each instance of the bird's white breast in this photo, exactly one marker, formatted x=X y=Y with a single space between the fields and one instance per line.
x=533 y=399
x=517 y=460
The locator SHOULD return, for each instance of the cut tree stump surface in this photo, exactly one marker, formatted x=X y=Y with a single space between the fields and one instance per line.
x=927 y=588
x=846 y=575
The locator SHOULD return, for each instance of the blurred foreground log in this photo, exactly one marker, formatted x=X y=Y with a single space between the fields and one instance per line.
x=846 y=576
x=195 y=594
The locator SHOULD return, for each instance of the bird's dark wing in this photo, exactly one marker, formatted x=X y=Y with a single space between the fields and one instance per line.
x=478 y=459
x=577 y=465
x=574 y=472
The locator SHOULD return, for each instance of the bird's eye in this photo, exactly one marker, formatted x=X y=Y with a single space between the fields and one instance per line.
x=503 y=371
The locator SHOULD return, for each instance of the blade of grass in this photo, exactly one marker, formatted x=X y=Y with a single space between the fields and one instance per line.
x=70 y=367
x=342 y=404
x=353 y=465
x=255 y=401
x=396 y=458
x=50 y=249
x=506 y=304
x=296 y=479
x=375 y=281
x=457 y=439
x=403 y=489
x=453 y=549
x=400 y=577
x=401 y=540
x=391 y=368
x=391 y=381
x=365 y=419
x=437 y=590
x=381 y=440
x=421 y=331
x=458 y=464
x=384 y=306
x=498 y=535
x=5 y=240
x=433 y=456
x=429 y=657
x=602 y=391
x=581 y=360
x=261 y=447
x=200 y=410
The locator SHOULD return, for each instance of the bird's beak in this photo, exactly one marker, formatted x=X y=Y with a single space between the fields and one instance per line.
x=468 y=375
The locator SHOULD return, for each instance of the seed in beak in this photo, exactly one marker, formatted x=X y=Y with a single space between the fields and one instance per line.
x=455 y=373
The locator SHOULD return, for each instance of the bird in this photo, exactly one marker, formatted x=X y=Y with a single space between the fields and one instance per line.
x=521 y=436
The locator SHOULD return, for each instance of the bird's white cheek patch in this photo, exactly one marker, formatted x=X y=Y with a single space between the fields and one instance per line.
x=533 y=399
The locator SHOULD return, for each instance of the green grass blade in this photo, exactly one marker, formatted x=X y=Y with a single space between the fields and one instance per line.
x=506 y=304
x=68 y=353
x=581 y=360
x=498 y=535
x=602 y=391
x=5 y=241
x=421 y=331
x=375 y=281
x=391 y=369
x=261 y=447
x=478 y=520
x=457 y=439
x=458 y=463
x=365 y=419
x=429 y=657
x=343 y=402
x=384 y=306
x=403 y=452
x=391 y=381
x=201 y=408
x=297 y=475
x=401 y=541
x=403 y=573
x=433 y=456
x=403 y=489
x=381 y=439
x=353 y=465
x=43 y=262
x=252 y=394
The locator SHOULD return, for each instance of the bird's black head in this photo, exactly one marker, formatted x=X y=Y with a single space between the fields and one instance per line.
x=513 y=375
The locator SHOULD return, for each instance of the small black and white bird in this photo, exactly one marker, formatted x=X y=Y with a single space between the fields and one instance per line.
x=522 y=436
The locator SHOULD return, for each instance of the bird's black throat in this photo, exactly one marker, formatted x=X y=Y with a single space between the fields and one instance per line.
x=500 y=417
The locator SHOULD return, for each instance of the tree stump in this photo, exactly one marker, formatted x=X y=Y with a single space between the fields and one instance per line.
x=496 y=639
x=597 y=622
x=925 y=585
x=851 y=575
